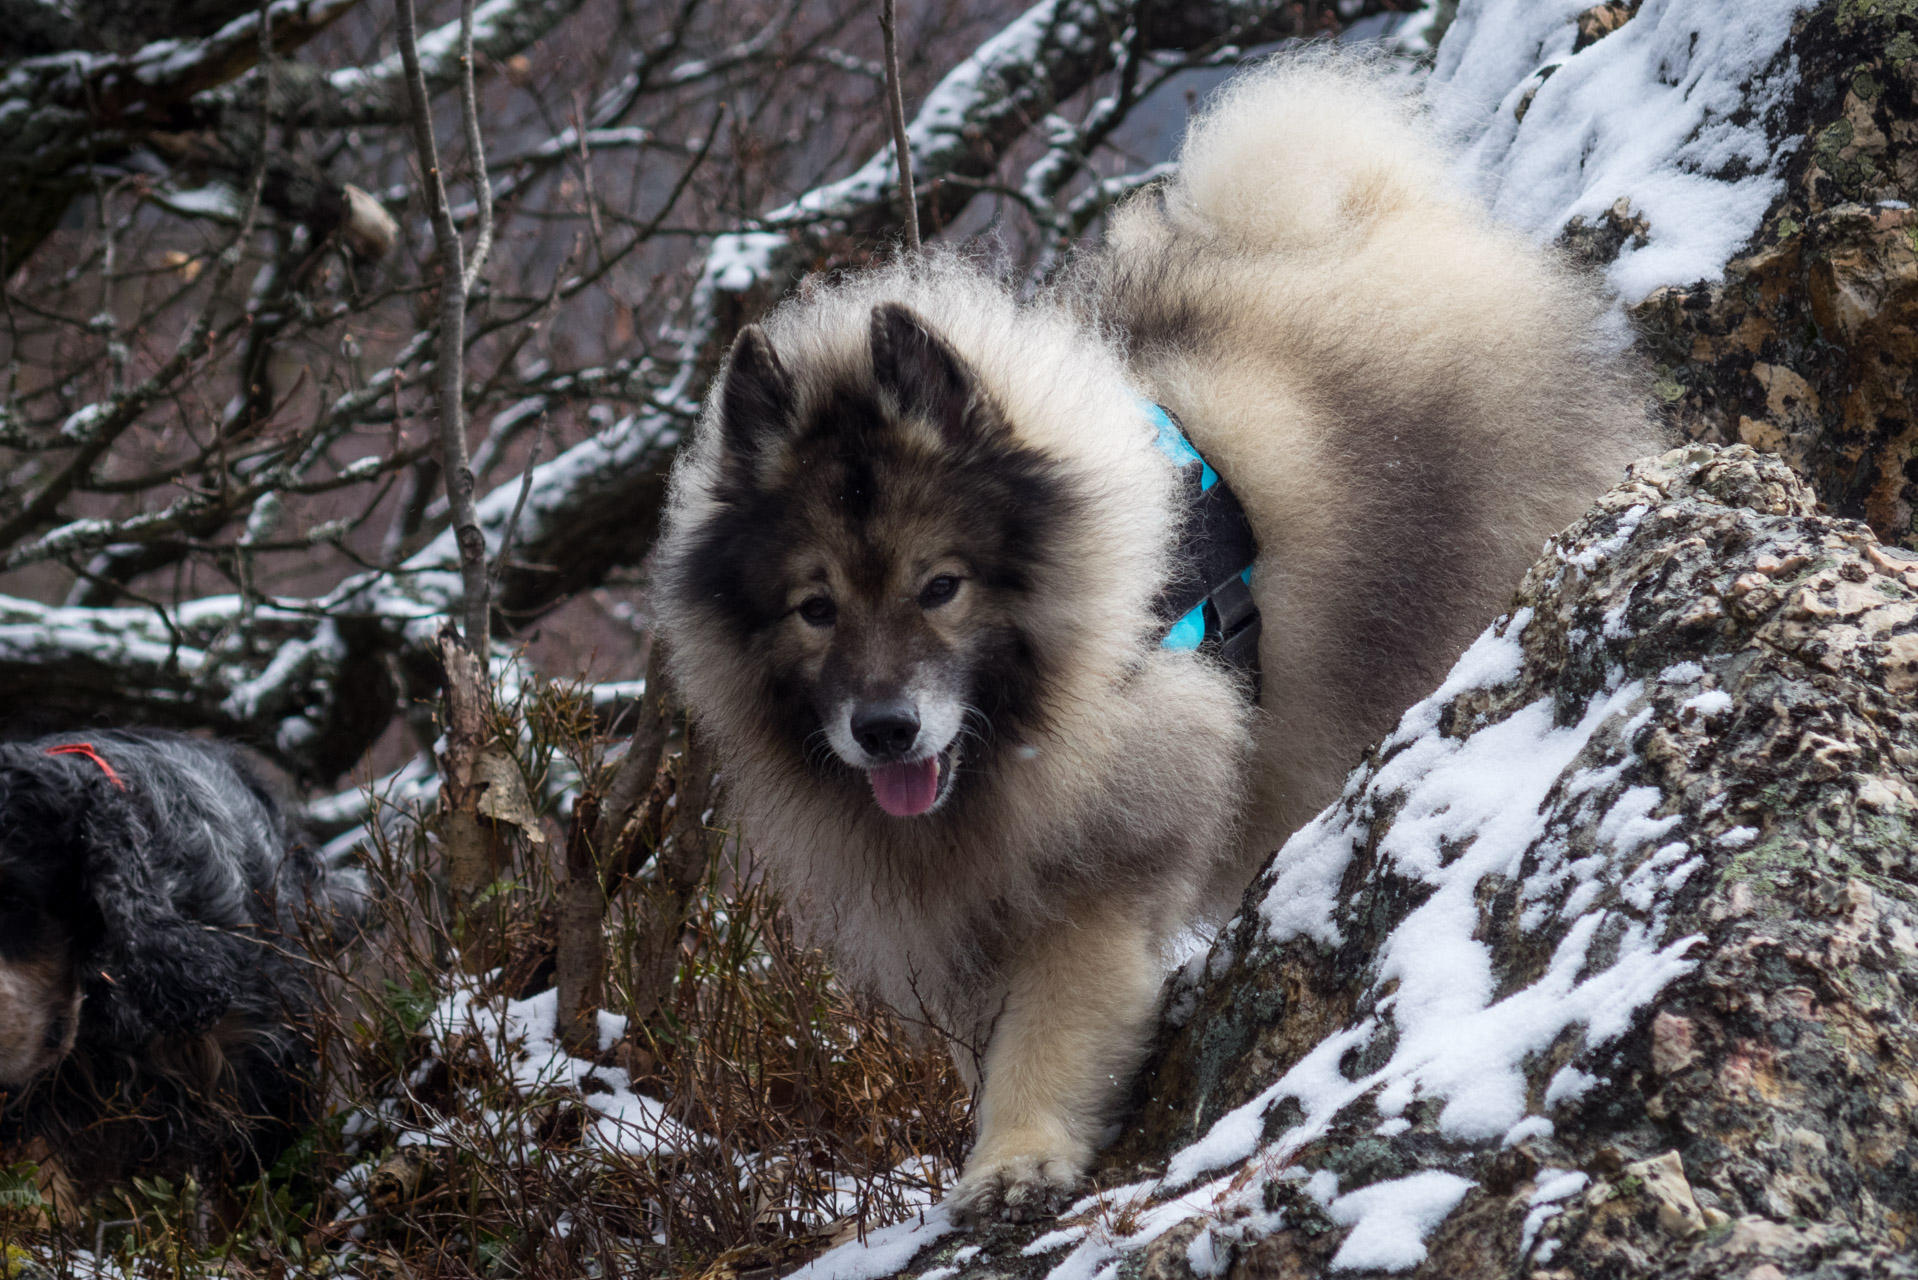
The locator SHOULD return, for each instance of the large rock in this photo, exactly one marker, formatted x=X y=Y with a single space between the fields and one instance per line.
x=1603 y=965
x=1808 y=346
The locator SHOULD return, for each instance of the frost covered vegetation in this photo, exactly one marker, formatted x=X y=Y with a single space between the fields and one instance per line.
x=752 y=1108
x=756 y=1105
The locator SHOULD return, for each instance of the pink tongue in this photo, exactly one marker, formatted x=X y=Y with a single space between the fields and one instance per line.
x=905 y=790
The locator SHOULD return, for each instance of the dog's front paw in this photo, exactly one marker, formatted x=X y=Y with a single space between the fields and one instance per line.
x=1017 y=1187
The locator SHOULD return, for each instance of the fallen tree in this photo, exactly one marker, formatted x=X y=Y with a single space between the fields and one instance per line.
x=1603 y=964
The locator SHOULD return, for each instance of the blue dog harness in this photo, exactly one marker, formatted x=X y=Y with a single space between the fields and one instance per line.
x=1207 y=604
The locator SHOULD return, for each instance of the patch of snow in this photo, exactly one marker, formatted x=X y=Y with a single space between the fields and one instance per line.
x=1556 y=1184
x=1315 y=1080
x=1204 y=1257
x=1681 y=673
x=82 y=422
x=1529 y=1127
x=1737 y=837
x=1534 y=1219
x=1605 y=548
x=1495 y=658
x=217 y=200
x=1711 y=703
x=1568 y=1084
x=737 y=261
x=1305 y=886
x=1390 y=1220
x=1629 y=826
x=523 y=1033
x=1669 y=112
x=1681 y=873
x=881 y=1253
x=1054 y=1240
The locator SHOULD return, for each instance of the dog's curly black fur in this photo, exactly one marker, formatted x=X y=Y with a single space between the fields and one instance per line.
x=155 y=982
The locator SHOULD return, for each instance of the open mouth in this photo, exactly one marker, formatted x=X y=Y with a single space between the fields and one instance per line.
x=916 y=787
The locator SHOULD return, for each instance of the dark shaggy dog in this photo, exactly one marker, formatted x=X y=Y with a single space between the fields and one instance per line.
x=153 y=980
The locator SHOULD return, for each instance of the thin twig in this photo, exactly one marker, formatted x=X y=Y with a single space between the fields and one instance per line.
x=896 y=108
x=475 y=152
x=449 y=361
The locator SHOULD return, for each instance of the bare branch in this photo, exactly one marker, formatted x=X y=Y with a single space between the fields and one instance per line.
x=896 y=111
x=475 y=155
x=378 y=94
x=63 y=111
x=449 y=364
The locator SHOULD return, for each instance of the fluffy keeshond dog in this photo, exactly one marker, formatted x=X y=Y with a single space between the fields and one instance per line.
x=910 y=568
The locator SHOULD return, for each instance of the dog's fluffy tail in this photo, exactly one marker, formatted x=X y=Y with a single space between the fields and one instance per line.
x=1407 y=397
x=1304 y=150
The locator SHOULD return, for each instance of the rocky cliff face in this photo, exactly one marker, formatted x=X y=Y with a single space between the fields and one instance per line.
x=1808 y=346
x=1603 y=965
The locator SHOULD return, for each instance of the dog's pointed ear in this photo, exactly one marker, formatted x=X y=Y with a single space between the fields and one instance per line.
x=756 y=407
x=925 y=375
x=155 y=970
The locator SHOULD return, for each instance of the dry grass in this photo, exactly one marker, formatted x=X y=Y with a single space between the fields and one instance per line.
x=783 y=1113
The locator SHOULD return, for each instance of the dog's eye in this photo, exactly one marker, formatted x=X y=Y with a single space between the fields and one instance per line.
x=818 y=611
x=938 y=591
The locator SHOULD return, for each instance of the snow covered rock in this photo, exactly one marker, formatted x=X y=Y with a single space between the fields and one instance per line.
x=1603 y=965
x=1743 y=175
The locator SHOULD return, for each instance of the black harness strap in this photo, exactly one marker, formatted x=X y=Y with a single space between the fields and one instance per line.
x=1207 y=603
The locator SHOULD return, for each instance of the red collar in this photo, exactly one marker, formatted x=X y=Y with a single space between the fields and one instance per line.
x=86 y=749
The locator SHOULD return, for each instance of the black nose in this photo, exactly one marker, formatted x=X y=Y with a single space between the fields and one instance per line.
x=885 y=728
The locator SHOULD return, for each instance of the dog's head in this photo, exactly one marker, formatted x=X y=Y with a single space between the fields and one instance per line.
x=46 y=921
x=872 y=558
x=94 y=940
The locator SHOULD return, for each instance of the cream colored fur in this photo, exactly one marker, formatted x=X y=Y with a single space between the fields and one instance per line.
x=1406 y=398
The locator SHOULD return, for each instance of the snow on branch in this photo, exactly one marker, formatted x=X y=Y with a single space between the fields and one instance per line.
x=314 y=682
x=376 y=94
x=163 y=71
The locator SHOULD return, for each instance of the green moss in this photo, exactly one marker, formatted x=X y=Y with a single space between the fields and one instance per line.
x=1902 y=49
x=1848 y=169
x=1853 y=12
x=1865 y=85
x=1788 y=226
x=17 y=1264
x=1771 y=863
